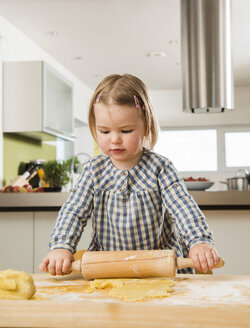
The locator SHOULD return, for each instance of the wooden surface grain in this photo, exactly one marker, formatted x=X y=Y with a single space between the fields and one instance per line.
x=197 y=301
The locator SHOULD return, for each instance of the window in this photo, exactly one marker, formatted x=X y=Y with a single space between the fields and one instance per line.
x=237 y=149
x=189 y=150
x=222 y=149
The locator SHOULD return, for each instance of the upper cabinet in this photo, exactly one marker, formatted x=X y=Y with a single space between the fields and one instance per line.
x=37 y=101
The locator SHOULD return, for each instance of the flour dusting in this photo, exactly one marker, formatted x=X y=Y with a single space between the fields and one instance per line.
x=200 y=293
x=130 y=257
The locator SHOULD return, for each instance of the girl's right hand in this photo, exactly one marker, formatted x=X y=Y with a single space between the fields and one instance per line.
x=57 y=262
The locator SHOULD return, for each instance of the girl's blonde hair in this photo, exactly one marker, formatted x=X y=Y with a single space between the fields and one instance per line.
x=125 y=90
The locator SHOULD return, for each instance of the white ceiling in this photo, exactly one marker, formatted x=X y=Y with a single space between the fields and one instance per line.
x=115 y=36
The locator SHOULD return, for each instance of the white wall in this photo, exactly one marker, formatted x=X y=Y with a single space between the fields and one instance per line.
x=84 y=141
x=168 y=108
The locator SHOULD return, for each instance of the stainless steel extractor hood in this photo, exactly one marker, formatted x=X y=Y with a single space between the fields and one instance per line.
x=207 y=75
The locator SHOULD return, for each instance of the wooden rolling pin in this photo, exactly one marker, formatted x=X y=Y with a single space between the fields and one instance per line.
x=132 y=264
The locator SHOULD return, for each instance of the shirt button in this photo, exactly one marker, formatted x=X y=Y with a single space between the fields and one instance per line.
x=176 y=184
x=124 y=173
x=122 y=189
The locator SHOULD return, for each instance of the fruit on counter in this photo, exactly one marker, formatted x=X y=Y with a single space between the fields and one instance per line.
x=22 y=189
x=190 y=179
x=25 y=188
x=8 y=189
x=12 y=189
x=28 y=187
x=38 y=189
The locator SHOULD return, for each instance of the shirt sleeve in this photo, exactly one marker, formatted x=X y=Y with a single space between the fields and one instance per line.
x=189 y=221
x=73 y=216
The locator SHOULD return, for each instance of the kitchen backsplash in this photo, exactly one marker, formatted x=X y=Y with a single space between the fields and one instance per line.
x=18 y=149
x=97 y=150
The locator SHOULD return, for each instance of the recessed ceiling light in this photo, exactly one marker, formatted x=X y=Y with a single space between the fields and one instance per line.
x=78 y=57
x=52 y=33
x=156 y=54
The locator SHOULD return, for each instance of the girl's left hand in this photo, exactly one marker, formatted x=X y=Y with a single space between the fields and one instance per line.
x=204 y=257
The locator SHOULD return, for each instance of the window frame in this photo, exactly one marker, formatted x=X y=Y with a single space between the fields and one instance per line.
x=221 y=147
x=221 y=139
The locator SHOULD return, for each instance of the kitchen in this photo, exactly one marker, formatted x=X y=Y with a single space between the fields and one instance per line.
x=23 y=39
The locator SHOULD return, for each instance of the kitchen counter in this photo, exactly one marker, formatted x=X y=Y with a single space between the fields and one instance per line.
x=197 y=301
x=40 y=201
x=223 y=200
x=53 y=201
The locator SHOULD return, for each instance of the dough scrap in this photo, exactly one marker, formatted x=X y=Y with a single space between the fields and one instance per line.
x=132 y=290
x=16 y=285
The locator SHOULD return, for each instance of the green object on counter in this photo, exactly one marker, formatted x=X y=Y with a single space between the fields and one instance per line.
x=56 y=173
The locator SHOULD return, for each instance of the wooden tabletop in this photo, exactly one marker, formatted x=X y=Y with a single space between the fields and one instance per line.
x=197 y=301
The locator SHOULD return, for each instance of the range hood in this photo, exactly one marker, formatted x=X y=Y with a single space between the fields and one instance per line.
x=207 y=75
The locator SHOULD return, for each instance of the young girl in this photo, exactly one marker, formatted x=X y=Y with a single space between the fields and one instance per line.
x=135 y=197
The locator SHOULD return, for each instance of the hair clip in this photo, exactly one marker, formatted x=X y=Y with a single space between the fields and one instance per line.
x=137 y=105
x=98 y=97
x=136 y=102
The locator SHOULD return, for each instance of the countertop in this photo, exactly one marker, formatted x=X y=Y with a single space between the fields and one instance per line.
x=54 y=200
x=197 y=301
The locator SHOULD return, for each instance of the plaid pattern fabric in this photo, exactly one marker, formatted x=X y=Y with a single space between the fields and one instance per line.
x=147 y=207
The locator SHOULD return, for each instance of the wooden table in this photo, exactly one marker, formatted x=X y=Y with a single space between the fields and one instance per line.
x=197 y=301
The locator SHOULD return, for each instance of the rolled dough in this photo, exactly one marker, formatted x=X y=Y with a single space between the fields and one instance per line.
x=16 y=285
x=132 y=290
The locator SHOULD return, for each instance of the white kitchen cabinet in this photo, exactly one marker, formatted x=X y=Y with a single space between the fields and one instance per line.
x=25 y=236
x=37 y=101
x=231 y=231
x=16 y=241
x=43 y=225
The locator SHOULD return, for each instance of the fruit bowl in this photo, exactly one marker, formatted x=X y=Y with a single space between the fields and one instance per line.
x=198 y=185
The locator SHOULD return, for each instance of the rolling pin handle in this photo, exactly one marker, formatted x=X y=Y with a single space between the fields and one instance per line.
x=76 y=266
x=220 y=263
x=182 y=263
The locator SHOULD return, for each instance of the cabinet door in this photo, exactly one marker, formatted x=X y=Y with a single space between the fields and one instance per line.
x=37 y=99
x=231 y=231
x=16 y=241
x=22 y=96
x=57 y=100
x=43 y=225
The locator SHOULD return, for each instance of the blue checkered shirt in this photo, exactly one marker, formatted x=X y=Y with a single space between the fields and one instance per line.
x=146 y=207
